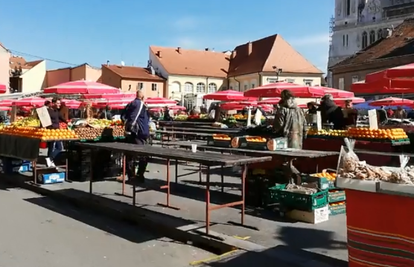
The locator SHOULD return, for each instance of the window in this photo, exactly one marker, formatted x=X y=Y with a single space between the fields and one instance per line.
x=372 y=37
x=379 y=34
x=343 y=40
x=212 y=87
x=236 y=87
x=355 y=78
x=341 y=83
x=346 y=40
x=348 y=7
x=364 y=40
x=308 y=82
x=253 y=85
x=140 y=86
x=245 y=87
x=201 y=88
x=188 y=87
x=272 y=80
x=154 y=87
x=290 y=80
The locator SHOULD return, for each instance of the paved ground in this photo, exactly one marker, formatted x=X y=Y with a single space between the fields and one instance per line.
x=327 y=238
x=37 y=231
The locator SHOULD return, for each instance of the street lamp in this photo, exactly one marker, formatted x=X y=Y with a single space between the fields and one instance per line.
x=278 y=72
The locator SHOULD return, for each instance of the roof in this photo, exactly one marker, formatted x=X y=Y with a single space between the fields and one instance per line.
x=190 y=62
x=16 y=62
x=258 y=56
x=133 y=73
x=267 y=53
x=400 y=43
x=2 y=46
x=77 y=66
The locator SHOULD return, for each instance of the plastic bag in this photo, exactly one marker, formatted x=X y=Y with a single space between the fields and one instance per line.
x=347 y=157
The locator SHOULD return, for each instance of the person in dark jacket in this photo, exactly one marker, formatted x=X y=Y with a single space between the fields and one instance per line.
x=54 y=148
x=330 y=112
x=136 y=113
x=382 y=115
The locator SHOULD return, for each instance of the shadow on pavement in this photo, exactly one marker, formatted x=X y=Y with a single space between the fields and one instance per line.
x=110 y=226
x=280 y=256
x=307 y=238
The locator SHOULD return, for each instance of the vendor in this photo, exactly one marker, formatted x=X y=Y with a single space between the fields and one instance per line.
x=167 y=114
x=350 y=114
x=331 y=113
x=290 y=121
x=382 y=115
x=311 y=113
x=400 y=113
x=54 y=148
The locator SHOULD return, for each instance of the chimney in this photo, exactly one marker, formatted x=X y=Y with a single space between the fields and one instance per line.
x=159 y=53
x=207 y=49
x=233 y=54
x=250 y=48
x=179 y=50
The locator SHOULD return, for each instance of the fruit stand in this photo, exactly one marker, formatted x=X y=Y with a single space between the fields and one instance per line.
x=378 y=203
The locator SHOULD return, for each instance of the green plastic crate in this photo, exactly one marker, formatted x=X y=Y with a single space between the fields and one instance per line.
x=336 y=210
x=298 y=201
x=336 y=196
x=272 y=195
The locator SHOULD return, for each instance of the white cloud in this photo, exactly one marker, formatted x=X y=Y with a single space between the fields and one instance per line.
x=186 y=23
x=317 y=39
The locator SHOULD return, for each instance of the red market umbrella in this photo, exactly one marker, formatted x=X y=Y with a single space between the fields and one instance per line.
x=174 y=108
x=3 y=88
x=392 y=101
x=227 y=95
x=109 y=96
x=404 y=71
x=270 y=101
x=6 y=103
x=72 y=104
x=275 y=90
x=160 y=101
x=337 y=93
x=5 y=108
x=30 y=101
x=81 y=87
x=354 y=100
x=385 y=86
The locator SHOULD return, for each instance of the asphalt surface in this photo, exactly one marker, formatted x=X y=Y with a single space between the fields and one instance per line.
x=37 y=231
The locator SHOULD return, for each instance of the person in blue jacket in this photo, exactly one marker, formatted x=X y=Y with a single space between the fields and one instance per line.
x=136 y=120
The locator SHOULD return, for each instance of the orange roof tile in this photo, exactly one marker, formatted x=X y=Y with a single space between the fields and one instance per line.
x=400 y=43
x=267 y=53
x=134 y=73
x=181 y=61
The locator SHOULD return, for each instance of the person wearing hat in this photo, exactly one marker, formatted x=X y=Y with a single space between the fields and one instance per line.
x=331 y=113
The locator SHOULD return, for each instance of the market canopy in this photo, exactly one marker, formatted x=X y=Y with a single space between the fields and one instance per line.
x=404 y=71
x=109 y=96
x=81 y=87
x=227 y=95
x=3 y=88
x=160 y=101
x=336 y=93
x=354 y=100
x=270 y=101
x=275 y=90
x=72 y=104
x=30 y=101
x=392 y=101
x=384 y=86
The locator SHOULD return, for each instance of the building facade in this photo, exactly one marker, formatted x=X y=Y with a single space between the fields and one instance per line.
x=81 y=72
x=132 y=79
x=26 y=76
x=359 y=23
x=4 y=65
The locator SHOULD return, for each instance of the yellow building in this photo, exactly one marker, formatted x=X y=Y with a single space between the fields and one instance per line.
x=192 y=73
x=27 y=76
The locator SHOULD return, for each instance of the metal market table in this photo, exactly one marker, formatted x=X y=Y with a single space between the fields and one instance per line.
x=203 y=158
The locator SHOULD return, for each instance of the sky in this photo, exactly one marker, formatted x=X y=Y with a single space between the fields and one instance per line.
x=96 y=31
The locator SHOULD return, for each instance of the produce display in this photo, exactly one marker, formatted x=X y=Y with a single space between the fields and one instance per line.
x=101 y=123
x=330 y=176
x=352 y=168
x=256 y=139
x=358 y=133
x=300 y=189
x=221 y=137
x=93 y=133
x=27 y=122
x=181 y=117
x=40 y=133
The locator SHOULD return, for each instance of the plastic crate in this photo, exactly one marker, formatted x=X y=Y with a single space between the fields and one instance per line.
x=336 y=196
x=297 y=200
x=272 y=195
x=336 y=210
x=322 y=182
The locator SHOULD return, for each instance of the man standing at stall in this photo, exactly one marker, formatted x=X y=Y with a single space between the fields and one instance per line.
x=137 y=132
x=54 y=148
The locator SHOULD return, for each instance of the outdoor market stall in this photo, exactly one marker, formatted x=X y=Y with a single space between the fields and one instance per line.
x=203 y=158
x=379 y=199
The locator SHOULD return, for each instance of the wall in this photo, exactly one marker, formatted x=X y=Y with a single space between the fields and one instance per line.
x=93 y=74
x=110 y=78
x=176 y=85
x=244 y=82
x=313 y=79
x=132 y=86
x=55 y=77
x=4 y=66
x=34 y=79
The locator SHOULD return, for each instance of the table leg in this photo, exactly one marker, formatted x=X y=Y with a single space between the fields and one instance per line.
x=176 y=171
x=244 y=174
x=91 y=173
x=34 y=164
x=222 y=178
x=123 y=173
x=168 y=187
x=134 y=194
x=208 y=200
x=66 y=169
x=200 y=174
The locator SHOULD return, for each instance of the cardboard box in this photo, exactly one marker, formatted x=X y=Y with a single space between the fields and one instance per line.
x=316 y=216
